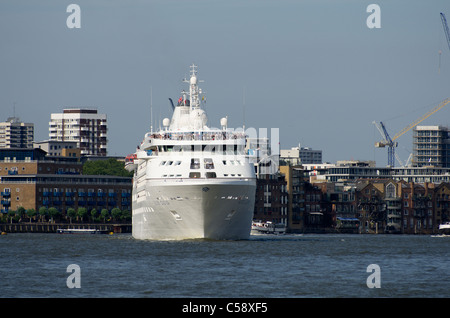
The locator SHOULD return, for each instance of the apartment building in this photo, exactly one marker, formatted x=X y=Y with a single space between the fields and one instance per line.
x=85 y=126
x=16 y=134
x=271 y=201
x=58 y=148
x=31 y=180
x=301 y=155
x=431 y=146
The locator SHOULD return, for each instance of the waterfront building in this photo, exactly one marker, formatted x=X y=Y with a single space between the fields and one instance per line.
x=301 y=155
x=85 y=126
x=317 y=212
x=271 y=202
x=431 y=146
x=58 y=148
x=372 y=206
x=16 y=134
x=295 y=184
x=417 y=206
x=355 y=170
x=441 y=201
x=31 y=180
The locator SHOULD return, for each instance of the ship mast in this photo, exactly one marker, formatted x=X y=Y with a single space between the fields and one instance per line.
x=194 y=90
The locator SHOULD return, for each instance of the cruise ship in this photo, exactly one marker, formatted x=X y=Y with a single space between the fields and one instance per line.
x=192 y=181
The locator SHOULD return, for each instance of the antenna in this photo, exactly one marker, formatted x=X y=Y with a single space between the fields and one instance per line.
x=243 y=109
x=151 y=109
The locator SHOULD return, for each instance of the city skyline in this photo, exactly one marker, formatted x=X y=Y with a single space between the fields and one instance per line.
x=313 y=69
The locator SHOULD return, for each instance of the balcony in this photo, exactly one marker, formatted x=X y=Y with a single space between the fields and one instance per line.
x=6 y=194
x=6 y=202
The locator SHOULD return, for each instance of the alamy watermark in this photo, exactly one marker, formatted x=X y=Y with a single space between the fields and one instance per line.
x=74 y=19
x=374 y=19
x=374 y=279
x=74 y=279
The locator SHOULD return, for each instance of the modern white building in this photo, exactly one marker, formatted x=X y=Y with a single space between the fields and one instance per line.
x=85 y=126
x=301 y=155
x=431 y=146
x=16 y=134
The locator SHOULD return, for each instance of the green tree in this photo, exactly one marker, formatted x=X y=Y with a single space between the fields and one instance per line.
x=31 y=213
x=82 y=212
x=126 y=215
x=53 y=212
x=71 y=213
x=20 y=212
x=104 y=213
x=94 y=214
x=110 y=167
x=115 y=213
x=43 y=211
x=11 y=214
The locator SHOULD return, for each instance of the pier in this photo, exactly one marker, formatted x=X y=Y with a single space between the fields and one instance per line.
x=43 y=227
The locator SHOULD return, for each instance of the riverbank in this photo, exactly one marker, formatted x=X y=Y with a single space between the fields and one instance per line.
x=44 y=227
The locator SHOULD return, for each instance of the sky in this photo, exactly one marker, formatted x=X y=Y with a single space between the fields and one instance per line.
x=312 y=69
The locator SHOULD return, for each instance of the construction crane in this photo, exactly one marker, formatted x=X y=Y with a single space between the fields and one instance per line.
x=387 y=141
x=446 y=31
x=391 y=143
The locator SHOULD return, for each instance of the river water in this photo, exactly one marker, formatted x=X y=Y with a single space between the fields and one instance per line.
x=288 y=266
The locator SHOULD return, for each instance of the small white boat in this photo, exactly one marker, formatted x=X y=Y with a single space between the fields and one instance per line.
x=81 y=231
x=444 y=228
x=268 y=227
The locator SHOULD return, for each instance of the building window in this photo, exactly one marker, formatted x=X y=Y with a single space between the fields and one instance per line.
x=390 y=191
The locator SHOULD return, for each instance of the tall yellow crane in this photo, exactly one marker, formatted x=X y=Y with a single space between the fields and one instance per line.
x=391 y=143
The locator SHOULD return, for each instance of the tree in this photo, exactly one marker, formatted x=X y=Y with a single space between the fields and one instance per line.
x=53 y=212
x=71 y=213
x=115 y=213
x=20 y=212
x=104 y=213
x=94 y=214
x=31 y=213
x=43 y=211
x=110 y=167
x=81 y=212
x=126 y=215
x=11 y=214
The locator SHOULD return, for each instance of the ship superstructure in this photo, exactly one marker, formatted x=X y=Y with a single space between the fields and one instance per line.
x=192 y=181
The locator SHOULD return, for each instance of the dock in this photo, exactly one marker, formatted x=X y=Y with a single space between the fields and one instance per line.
x=54 y=227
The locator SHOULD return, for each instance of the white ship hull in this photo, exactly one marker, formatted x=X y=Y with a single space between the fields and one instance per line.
x=173 y=210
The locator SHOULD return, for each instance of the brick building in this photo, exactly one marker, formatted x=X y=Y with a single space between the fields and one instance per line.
x=31 y=180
